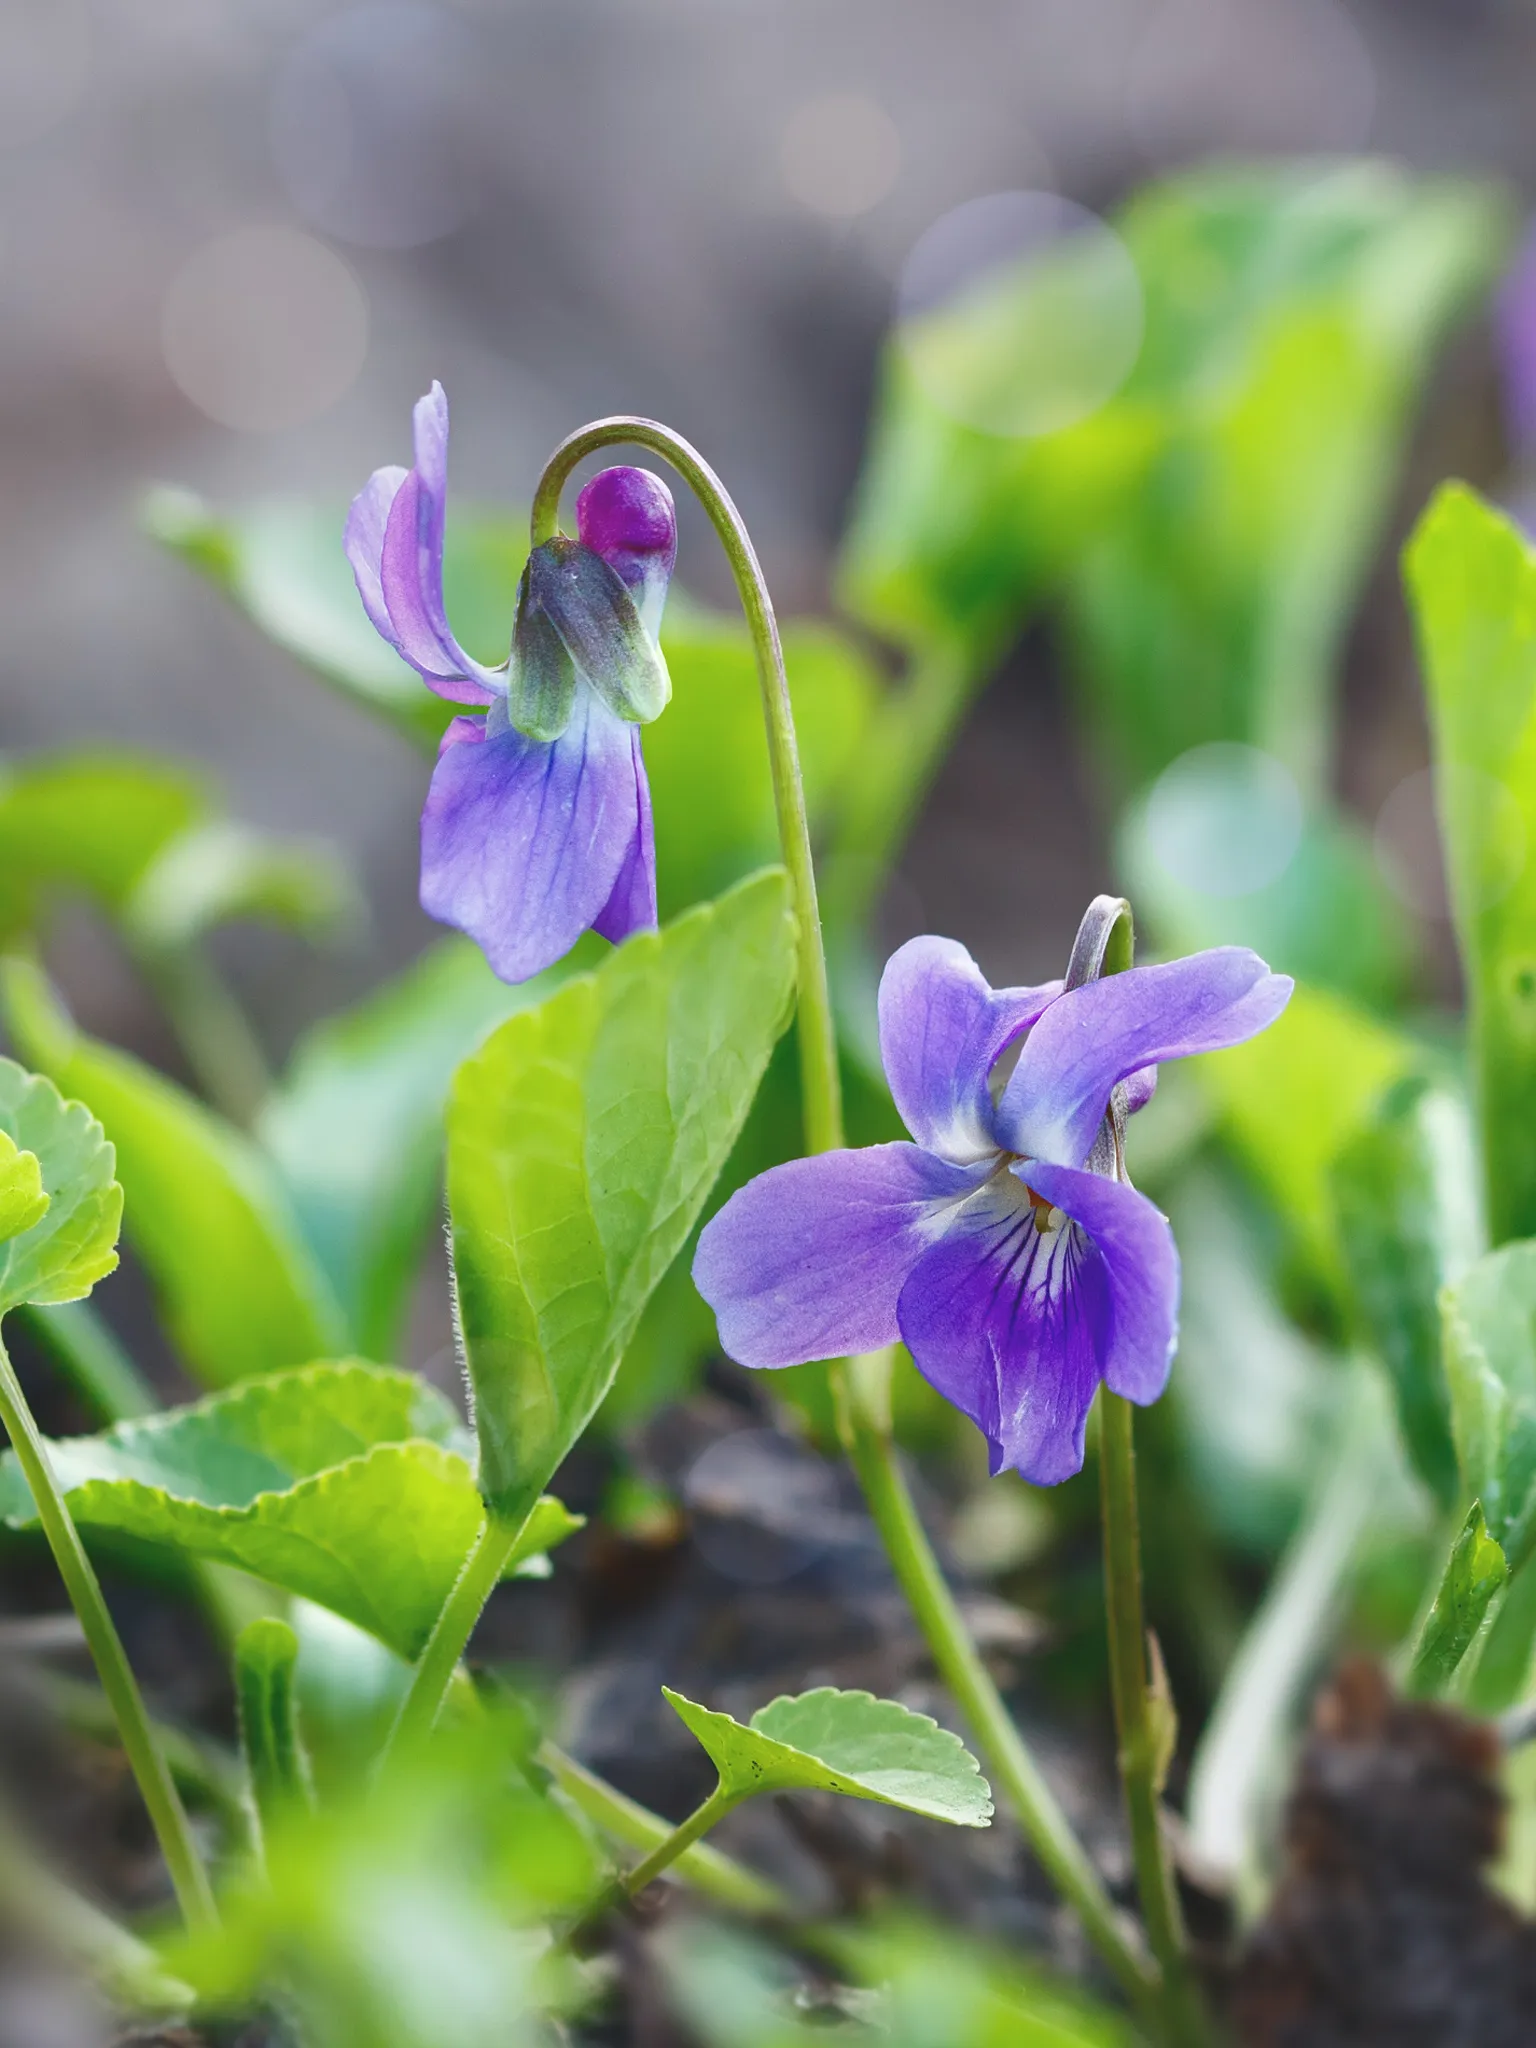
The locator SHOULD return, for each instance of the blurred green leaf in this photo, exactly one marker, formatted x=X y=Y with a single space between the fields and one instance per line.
x=410 y=1912
x=1490 y=1357
x=218 y=871
x=583 y=1140
x=93 y=823
x=1474 y=1573
x=849 y=1742
x=282 y=564
x=346 y=1483
x=238 y=1287
x=1293 y=1096
x=53 y=1155
x=1292 y=313
x=1405 y=1192
x=355 y=1125
x=277 y=1770
x=930 y=1987
x=1472 y=581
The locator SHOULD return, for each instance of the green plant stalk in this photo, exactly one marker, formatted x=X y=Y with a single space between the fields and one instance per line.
x=434 y=1670
x=196 y=1766
x=820 y=1081
x=1134 y=1723
x=861 y=1387
x=679 y=1839
x=277 y=1769
x=717 y=1876
x=212 y=1029
x=49 y=1910
x=166 y=1812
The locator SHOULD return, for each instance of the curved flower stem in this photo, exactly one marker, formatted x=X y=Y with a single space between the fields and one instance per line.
x=819 y=1076
x=434 y=1669
x=1140 y=1739
x=862 y=1386
x=683 y=1836
x=182 y=1858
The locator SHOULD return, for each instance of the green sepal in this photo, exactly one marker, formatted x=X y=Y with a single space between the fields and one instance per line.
x=589 y=610
x=541 y=676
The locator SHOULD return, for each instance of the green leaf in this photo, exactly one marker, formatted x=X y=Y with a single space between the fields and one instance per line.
x=1475 y=1571
x=1405 y=1192
x=1292 y=1097
x=1292 y=315
x=344 y=1483
x=355 y=1126
x=583 y=1140
x=86 y=822
x=60 y=1207
x=1490 y=1360
x=238 y=1287
x=22 y=1201
x=847 y=1742
x=219 y=871
x=1472 y=581
x=282 y=564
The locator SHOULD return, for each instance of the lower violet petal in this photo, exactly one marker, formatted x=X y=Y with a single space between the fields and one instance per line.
x=1133 y=1241
x=522 y=840
x=632 y=906
x=807 y=1260
x=1009 y=1323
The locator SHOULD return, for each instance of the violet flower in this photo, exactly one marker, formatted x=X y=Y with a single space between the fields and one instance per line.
x=537 y=824
x=1017 y=1277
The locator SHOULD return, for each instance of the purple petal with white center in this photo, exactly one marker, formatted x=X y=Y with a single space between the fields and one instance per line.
x=410 y=570
x=523 y=841
x=942 y=1029
x=364 y=543
x=807 y=1261
x=1094 y=1036
x=632 y=906
x=1133 y=1242
x=1010 y=1322
x=627 y=516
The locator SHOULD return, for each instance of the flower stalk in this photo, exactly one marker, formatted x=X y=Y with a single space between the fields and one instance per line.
x=861 y=1386
x=173 y=1830
x=433 y=1672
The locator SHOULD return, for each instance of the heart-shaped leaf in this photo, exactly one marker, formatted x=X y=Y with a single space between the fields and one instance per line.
x=90 y=823
x=583 y=1139
x=220 y=870
x=850 y=1742
x=240 y=1290
x=345 y=1483
x=59 y=1250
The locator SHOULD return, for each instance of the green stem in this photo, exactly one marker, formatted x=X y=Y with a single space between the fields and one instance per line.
x=680 y=1838
x=1140 y=1764
x=707 y=1870
x=819 y=1077
x=159 y=1793
x=863 y=1385
x=214 y=1032
x=1014 y=1770
x=435 y=1668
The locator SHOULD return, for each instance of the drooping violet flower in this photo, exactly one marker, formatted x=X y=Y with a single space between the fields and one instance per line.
x=537 y=824
x=1017 y=1277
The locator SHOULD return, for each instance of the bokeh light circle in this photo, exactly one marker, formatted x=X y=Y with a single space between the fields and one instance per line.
x=1409 y=846
x=840 y=155
x=368 y=124
x=264 y=328
x=1021 y=313
x=1223 y=820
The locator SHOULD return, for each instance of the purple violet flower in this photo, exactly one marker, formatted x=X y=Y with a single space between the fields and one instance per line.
x=1001 y=1248
x=537 y=824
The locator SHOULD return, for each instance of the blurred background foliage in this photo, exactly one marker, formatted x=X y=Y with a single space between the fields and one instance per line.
x=1082 y=524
